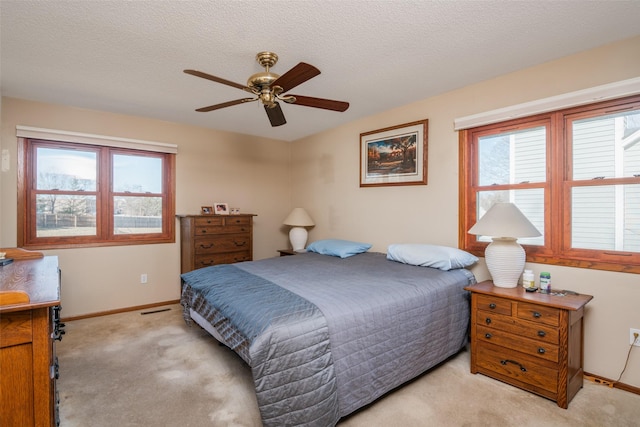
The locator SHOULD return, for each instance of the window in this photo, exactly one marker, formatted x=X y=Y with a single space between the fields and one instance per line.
x=73 y=194
x=575 y=173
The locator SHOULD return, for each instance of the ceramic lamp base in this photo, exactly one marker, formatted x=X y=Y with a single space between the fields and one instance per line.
x=505 y=261
x=298 y=238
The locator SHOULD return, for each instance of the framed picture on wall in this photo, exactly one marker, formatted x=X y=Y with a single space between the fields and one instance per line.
x=221 y=208
x=206 y=210
x=395 y=155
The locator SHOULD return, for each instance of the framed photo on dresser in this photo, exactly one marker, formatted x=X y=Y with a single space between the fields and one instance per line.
x=221 y=208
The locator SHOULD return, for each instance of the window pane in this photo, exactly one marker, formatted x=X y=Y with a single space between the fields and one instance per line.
x=137 y=174
x=512 y=157
x=530 y=202
x=63 y=215
x=607 y=146
x=67 y=170
x=606 y=218
x=137 y=215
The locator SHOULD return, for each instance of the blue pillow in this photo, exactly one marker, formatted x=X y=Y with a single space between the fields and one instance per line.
x=440 y=257
x=336 y=247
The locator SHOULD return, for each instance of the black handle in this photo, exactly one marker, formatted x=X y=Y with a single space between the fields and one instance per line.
x=488 y=320
x=541 y=350
x=522 y=368
x=209 y=246
x=542 y=333
x=492 y=306
x=536 y=314
x=487 y=335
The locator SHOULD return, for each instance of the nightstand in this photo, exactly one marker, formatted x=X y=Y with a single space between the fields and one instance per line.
x=286 y=252
x=530 y=340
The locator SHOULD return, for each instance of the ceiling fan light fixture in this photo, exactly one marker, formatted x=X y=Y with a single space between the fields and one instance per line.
x=267 y=87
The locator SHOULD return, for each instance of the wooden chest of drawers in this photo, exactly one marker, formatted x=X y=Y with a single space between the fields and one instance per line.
x=29 y=326
x=530 y=340
x=215 y=239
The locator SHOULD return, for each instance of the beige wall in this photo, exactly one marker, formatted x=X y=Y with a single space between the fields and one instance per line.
x=212 y=166
x=326 y=181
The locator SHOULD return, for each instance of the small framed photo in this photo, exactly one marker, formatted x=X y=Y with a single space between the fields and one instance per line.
x=221 y=208
x=206 y=210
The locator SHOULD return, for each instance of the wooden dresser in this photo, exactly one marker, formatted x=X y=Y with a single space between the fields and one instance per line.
x=29 y=326
x=530 y=340
x=215 y=239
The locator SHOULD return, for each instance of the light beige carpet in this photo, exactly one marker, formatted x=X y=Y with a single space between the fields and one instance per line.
x=131 y=369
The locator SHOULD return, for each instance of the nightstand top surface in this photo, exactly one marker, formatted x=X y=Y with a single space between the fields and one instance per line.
x=566 y=302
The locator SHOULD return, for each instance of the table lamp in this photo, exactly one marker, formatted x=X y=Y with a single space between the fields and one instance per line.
x=298 y=219
x=504 y=256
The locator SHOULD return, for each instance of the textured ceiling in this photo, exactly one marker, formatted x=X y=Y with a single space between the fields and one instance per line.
x=128 y=56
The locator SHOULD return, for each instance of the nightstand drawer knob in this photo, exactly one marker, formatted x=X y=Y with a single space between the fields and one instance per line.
x=541 y=350
x=487 y=335
x=522 y=368
x=488 y=320
x=542 y=333
x=492 y=306
x=537 y=315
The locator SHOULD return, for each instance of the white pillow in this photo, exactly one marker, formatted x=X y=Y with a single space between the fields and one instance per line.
x=440 y=257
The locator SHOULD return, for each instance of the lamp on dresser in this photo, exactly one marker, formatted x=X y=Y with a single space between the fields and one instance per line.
x=505 y=258
x=298 y=219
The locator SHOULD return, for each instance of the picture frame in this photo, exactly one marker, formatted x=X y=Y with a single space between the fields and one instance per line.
x=395 y=155
x=206 y=210
x=220 y=208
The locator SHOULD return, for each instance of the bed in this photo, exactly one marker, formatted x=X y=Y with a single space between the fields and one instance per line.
x=324 y=335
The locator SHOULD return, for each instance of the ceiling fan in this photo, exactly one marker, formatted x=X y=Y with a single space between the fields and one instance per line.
x=269 y=88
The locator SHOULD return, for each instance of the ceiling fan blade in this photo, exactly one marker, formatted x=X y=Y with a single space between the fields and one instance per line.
x=216 y=79
x=225 y=104
x=275 y=114
x=327 y=104
x=295 y=76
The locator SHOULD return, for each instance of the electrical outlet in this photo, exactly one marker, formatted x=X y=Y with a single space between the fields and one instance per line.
x=143 y=278
x=635 y=340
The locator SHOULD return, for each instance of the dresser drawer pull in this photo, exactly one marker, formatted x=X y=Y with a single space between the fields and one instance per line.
x=537 y=315
x=488 y=320
x=209 y=246
x=487 y=335
x=239 y=244
x=541 y=350
x=492 y=306
x=522 y=368
x=542 y=333
x=203 y=231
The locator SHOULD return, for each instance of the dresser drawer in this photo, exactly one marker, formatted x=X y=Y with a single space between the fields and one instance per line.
x=528 y=346
x=540 y=332
x=222 y=244
x=214 y=230
x=208 y=260
x=15 y=328
x=539 y=313
x=494 y=304
x=517 y=368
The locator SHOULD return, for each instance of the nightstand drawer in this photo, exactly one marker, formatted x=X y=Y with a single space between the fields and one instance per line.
x=539 y=313
x=514 y=342
x=494 y=304
x=222 y=244
x=539 y=332
x=518 y=368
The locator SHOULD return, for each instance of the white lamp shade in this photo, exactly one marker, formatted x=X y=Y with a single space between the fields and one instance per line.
x=505 y=258
x=299 y=218
x=504 y=220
